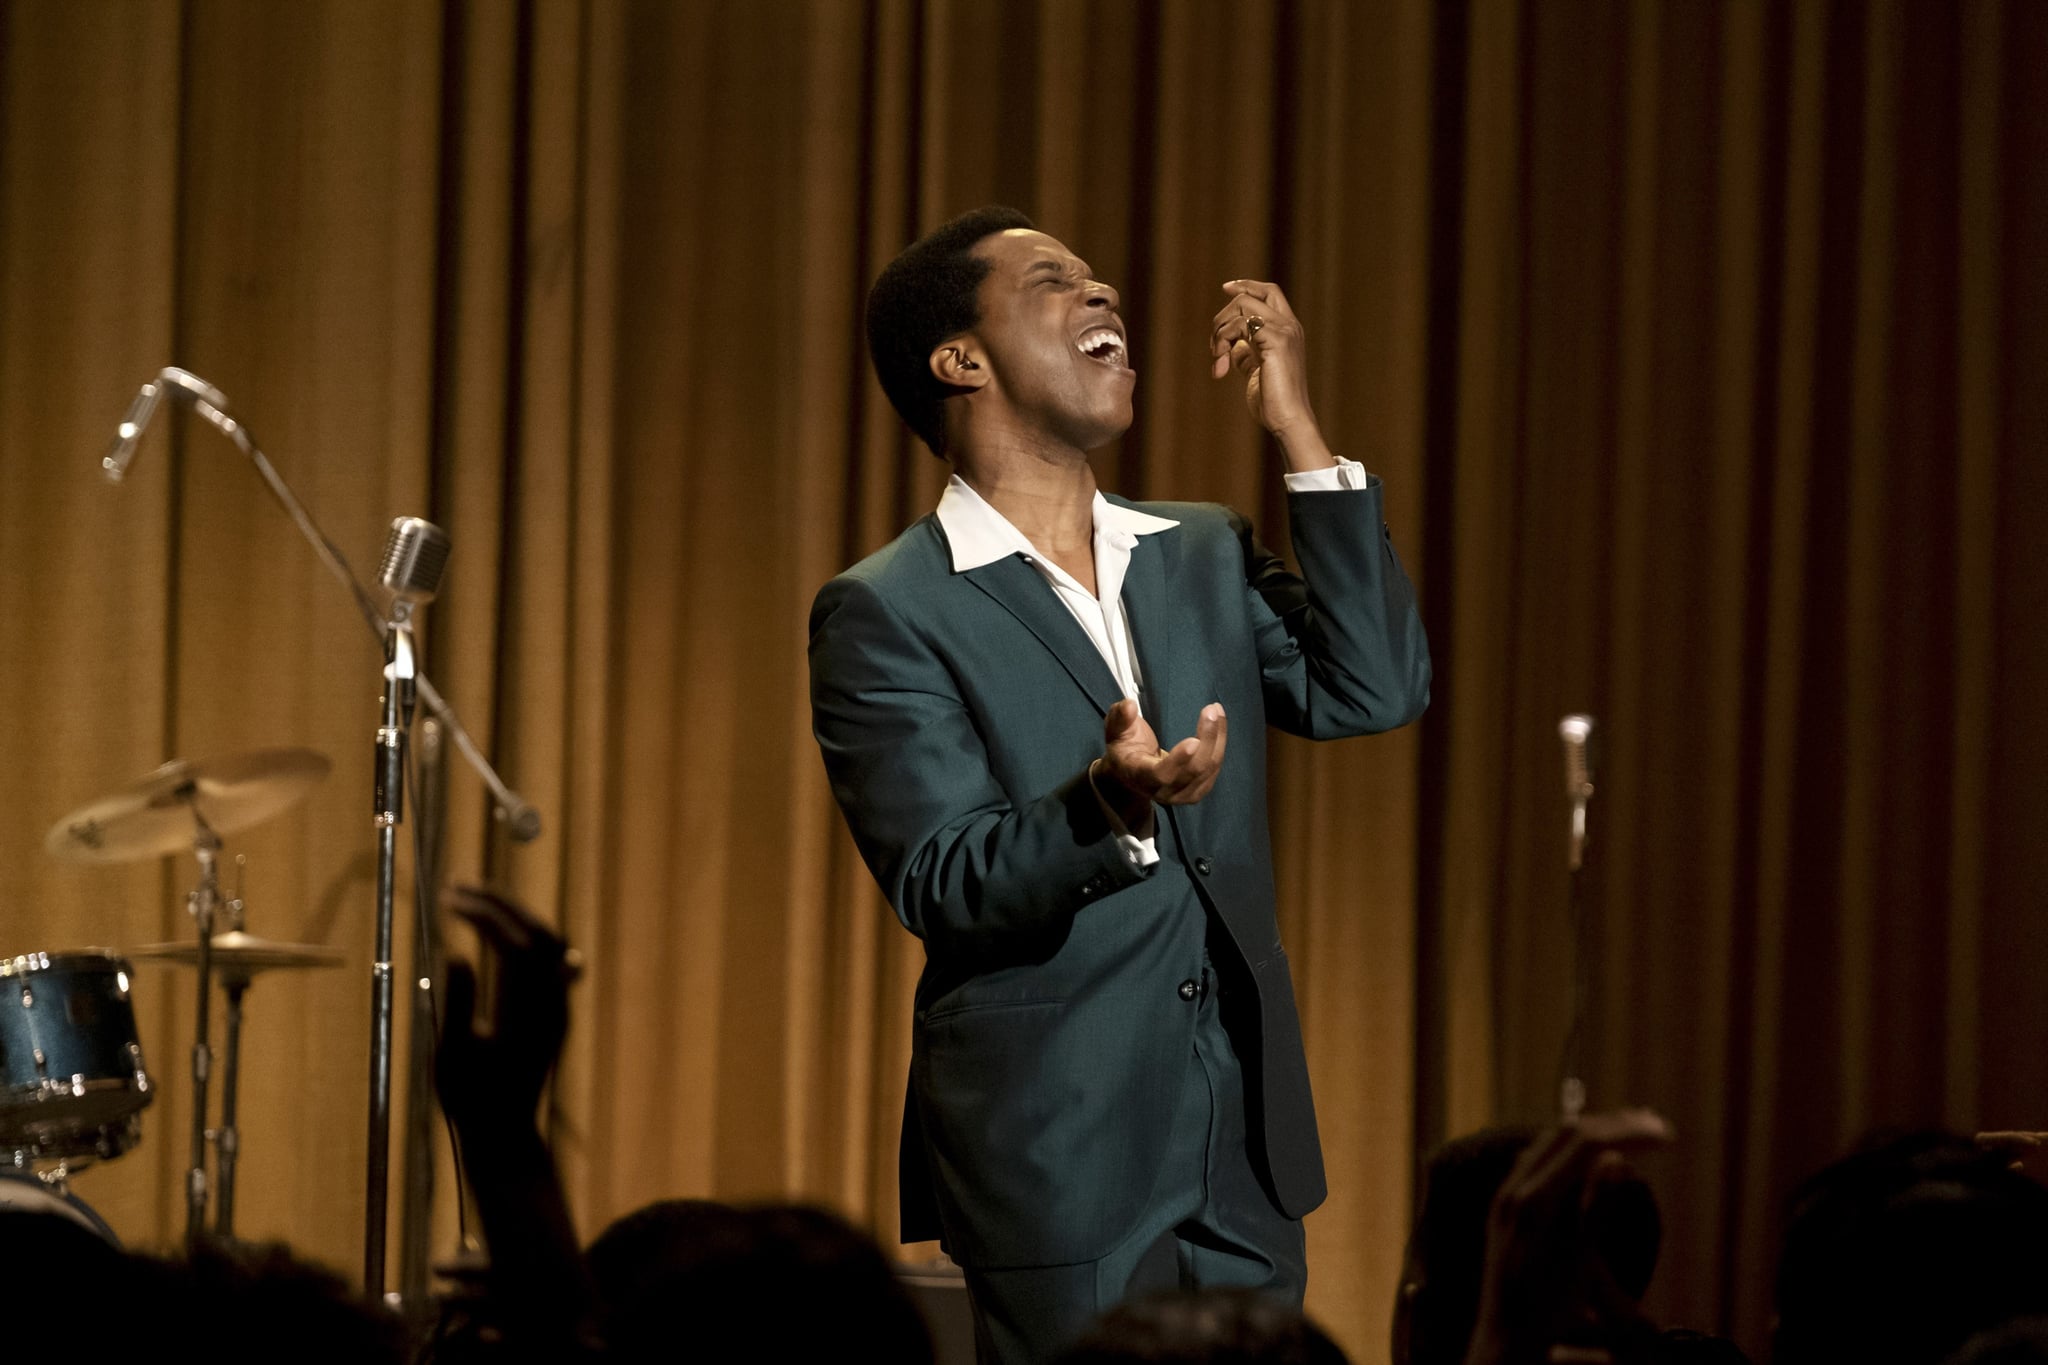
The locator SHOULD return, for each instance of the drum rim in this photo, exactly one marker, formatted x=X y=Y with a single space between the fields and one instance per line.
x=64 y=1195
x=43 y=1091
x=107 y=1142
x=26 y=964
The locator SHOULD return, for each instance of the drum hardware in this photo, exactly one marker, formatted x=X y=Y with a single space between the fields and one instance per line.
x=237 y=957
x=64 y=1157
x=190 y=805
x=206 y=848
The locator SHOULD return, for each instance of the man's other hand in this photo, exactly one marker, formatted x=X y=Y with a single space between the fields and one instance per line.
x=1257 y=334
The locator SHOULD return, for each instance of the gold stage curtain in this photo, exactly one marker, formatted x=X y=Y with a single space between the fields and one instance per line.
x=1700 y=346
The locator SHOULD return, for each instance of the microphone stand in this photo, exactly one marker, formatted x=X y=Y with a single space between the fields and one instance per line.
x=416 y=1213
x=1571 y=1091
x=1576 y=730
x=522 y=821
x=390 y=811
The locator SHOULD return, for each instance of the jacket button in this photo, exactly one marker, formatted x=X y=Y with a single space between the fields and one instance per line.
x=1202 y=865
x=1188 y=989
x=1094 y=886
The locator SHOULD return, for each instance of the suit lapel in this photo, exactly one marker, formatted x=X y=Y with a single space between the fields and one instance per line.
x=1018 y=589
x=1149 y=606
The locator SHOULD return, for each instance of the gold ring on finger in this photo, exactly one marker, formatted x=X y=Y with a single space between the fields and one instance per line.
x=1252 y=325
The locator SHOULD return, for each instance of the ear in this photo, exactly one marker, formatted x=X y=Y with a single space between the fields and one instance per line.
x=957 y=362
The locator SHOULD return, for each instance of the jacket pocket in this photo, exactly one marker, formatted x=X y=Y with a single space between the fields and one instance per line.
x=940 y=1016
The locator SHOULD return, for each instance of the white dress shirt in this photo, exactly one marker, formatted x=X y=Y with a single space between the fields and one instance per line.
x=978 y=534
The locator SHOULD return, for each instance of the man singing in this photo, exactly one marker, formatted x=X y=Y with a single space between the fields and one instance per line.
x=1024 y=704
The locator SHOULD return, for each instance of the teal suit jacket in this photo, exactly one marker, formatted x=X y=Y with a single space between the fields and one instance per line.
x=958 y=714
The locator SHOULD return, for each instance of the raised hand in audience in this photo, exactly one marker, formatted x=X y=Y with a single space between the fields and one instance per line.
x=490 y=1074
x=1547 y=1296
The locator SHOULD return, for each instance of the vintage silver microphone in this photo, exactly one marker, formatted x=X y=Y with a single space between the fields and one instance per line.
x=1576 y=731
x=415 y=557
x=173 y=381
x=129 y=434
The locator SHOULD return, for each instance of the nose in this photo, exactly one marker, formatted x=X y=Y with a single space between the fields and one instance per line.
x=1101 y=295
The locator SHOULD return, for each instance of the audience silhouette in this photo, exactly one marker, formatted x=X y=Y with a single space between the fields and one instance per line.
x=1530 y=1247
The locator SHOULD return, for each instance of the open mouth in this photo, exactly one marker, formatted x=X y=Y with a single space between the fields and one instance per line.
x=1104 y=346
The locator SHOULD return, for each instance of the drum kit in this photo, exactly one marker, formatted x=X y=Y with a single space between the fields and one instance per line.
x=73 y=1083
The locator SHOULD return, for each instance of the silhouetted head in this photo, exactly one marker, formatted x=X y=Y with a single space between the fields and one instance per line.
x=1899 y=1253
x=2023 y=1341
x=689 y=1279
x=59 y=1270
x=1205 y=1327
x=232 y=1303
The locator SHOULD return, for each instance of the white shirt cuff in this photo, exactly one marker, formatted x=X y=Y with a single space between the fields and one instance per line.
x=1345 y=474
x=1139 y=853
x=1142 y=854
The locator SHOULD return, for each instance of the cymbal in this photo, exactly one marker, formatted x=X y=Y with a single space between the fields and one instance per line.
x=152 y=816
x=236 y=954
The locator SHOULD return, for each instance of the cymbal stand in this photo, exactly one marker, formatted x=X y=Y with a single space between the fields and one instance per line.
x=227 y=1139
x=201 y=902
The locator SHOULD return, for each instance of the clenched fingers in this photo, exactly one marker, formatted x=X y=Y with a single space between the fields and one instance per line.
x=1256 y=317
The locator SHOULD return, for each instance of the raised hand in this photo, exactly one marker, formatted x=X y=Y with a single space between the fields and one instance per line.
x=1542 y=1281
x=490 y=1080
x=496 y=1072
x=1257 y=334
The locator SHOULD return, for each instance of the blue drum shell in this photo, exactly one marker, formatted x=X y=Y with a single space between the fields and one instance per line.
x=70 y=1059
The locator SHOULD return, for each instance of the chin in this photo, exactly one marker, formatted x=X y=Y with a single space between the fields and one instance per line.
x=1118 y=420
x=1108 y=432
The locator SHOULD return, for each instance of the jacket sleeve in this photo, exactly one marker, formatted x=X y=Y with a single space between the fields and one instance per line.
x=1341 y=646
x=966 y=869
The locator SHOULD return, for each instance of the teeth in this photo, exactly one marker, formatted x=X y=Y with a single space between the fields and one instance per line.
x=1102 y=344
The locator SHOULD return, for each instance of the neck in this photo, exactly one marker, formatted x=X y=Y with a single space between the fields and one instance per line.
x=1049 y=495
